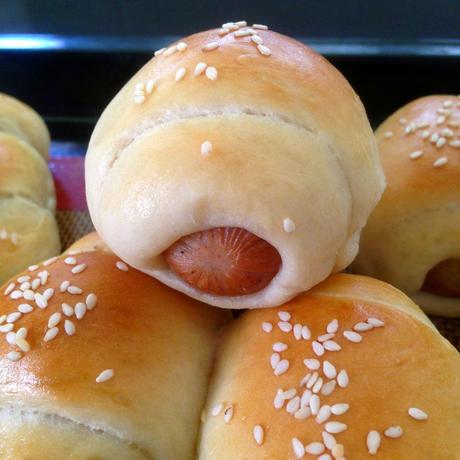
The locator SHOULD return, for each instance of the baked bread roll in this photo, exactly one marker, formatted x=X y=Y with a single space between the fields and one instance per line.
x=349 y=370
x=28 y=230
x=118 y=363
x=237 y=166
x=412 y=239
x=23 y=122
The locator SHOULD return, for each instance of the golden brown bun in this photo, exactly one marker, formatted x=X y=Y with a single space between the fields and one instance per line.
x=404 y=364
x=158 y=342
x=281 y=127
x=416 y=225
x=90 y=242
x=28 y=230
x=23 y=122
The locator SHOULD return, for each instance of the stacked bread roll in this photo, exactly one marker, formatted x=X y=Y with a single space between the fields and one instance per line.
x=412 y=239
x=28 y=230
x=101 y=361
x=237 y=166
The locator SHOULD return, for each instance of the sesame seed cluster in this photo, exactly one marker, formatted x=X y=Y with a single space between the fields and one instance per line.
x=323 y=378
x=239 y=29
x=35 y=292
x=443 y=132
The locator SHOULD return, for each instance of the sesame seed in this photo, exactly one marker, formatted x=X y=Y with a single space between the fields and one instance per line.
x=91 y=301
x=139 y=100
x=353 y=336
x=305 y=379
x=275 y=358
x=54 y=320
x=199 y=69
x=281 y=367
x=293 y=405
x=314 y=448
x=318 y=349
x=440 y=162
x=78 y=268
x=210 y=46
x=16 y=294
x=325 y=457
x=13 y=317
x=434 y=138
x=2 y=319
x=417 y=414
x=422 y=124
x=312 y=364
x=216 y=409
x=22 y=333
x=257 y=39
x=342 y=379
x=35 y=283
x=51 y=334
x=149 y=86
x=318 y=385
x=69 y=327
x=362 y=327
x=105 y=375
x=394 y=432
x=403 y=121
x=447 y=104
x=24 y=286
x=258 y=433
x=223 y=31
x=9 y=289
x=330 y=345
x=25 y=308
x=67 y=309
x=241 y=23
x=14 y=356
x=228 y=414
x=440 y=120
x=329 y=370
x=211 y=73
x=74 y=290
x=298 y=448
x=267 y=327
x=297 y=331
x=340 y=408
x=440 y=142
x=260 y=26
x=388 y=134
x=121 y=266
x=182 y=46
x=70 y=261
x=278 y=402
x=80 y=310
x=168 y=52
x=323 y=414
x=302 y=413
x=180 y=74
x=242 y=33
x=329 y=440
x=11 y=338
x=279 y=347
x=425 y=134
x=6 y=327
x=306 y=334
x=446 y=132
x=305 y=399
x=373 y=442
x=206 y=148
x=325 y=337
x=29 y=294
x=415 y=155
x=410 y=128
x=335 y=427
x=312 y=379
x=22 y=344
x=285 y=326
x=32 y=268
x=338 y=451
x=48 y=293
x=229 y=24
x=288 y=225
x=375 y=322
x=139 y=86
x=333 y=326
x=315 y=404
x=455 y=144
x=23 y=279
x=264 y=50
x=40 y=300
x=160 y=51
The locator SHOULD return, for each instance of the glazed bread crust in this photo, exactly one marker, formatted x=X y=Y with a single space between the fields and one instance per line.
x=401 y=363
x=158 y=342
x=281 y=128
x=416 y=225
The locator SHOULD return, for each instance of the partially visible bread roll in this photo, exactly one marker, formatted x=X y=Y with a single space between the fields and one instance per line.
x=238 y=167
x=350 y=369
x=412 y=239
x=25 y=123
x=28 y=230
x=118 y=365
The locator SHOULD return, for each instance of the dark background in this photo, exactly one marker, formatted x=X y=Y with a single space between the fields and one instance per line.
x=68 y=58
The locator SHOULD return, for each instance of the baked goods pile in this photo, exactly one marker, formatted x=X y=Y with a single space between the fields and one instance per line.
x=28 y=230
x=238 y=168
